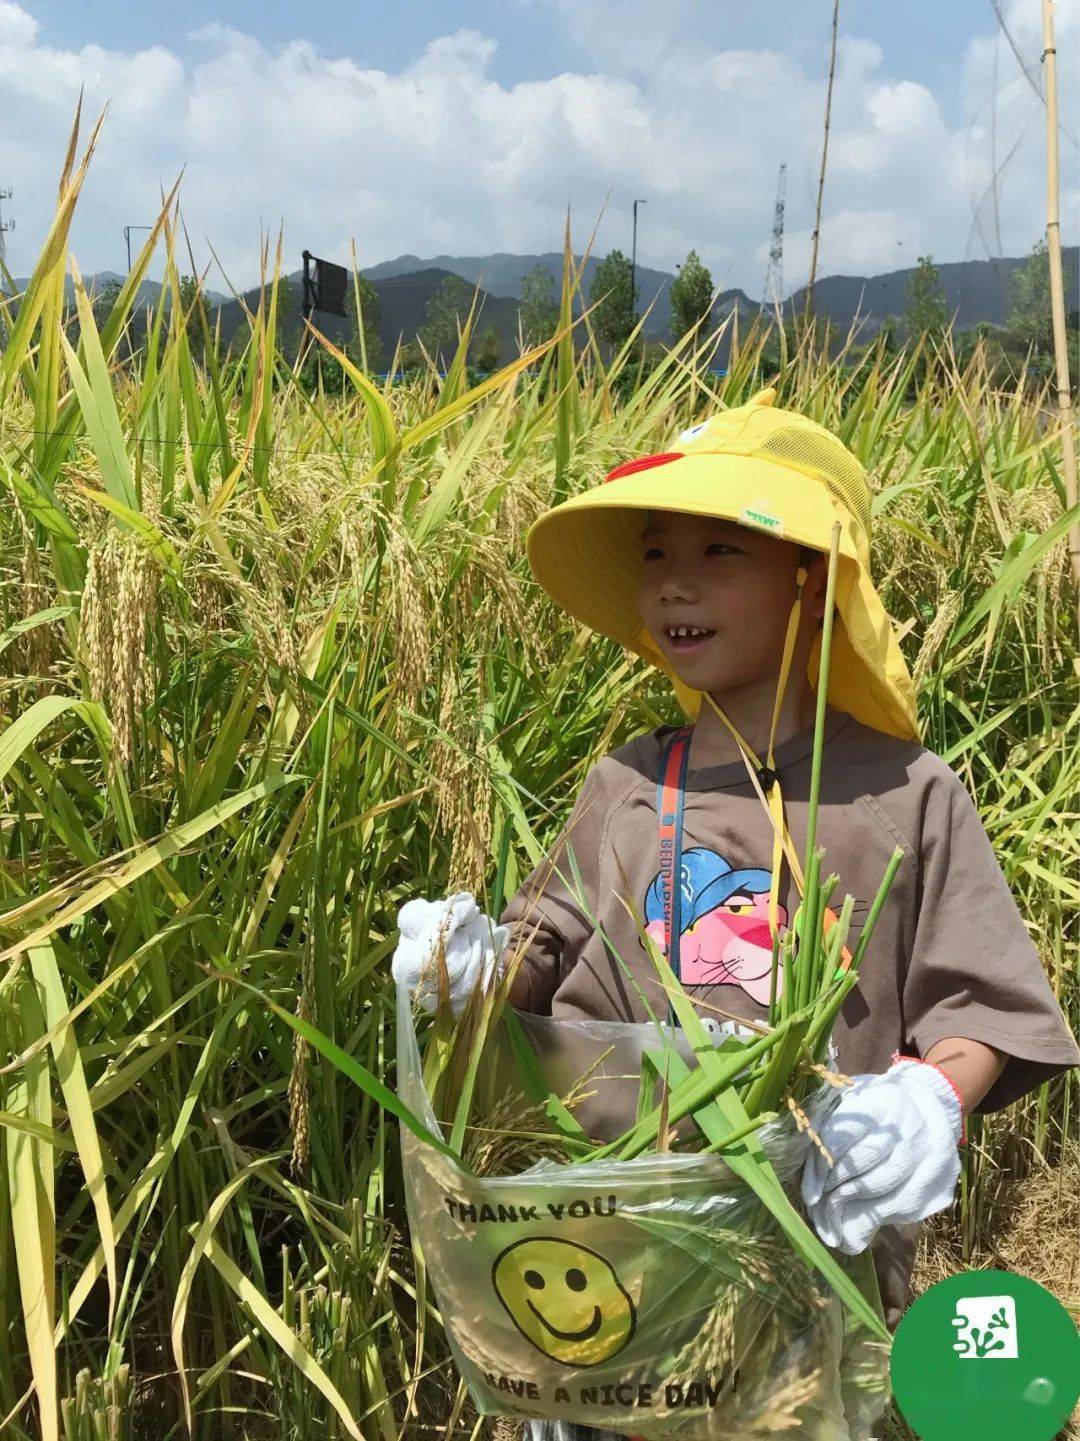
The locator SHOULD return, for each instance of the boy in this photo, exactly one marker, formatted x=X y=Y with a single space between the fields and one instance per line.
x=710 y=561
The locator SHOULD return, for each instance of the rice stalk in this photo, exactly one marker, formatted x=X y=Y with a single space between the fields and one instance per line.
x=466 y=712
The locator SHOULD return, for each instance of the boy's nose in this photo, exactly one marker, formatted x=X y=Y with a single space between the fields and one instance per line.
x=675 y=587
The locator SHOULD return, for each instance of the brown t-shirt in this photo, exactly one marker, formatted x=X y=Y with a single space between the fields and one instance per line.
x=950 y=954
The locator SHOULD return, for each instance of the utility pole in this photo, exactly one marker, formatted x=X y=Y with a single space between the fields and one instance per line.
x=774 y=272
x=1057 y=287
x=633 y=262
x=5 y=225
x=127 y=239
x=821 y=177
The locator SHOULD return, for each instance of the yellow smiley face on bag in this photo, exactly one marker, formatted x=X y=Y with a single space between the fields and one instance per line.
x=565 y=1299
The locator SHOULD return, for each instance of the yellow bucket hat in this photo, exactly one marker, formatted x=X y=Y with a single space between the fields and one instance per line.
x=759 y=466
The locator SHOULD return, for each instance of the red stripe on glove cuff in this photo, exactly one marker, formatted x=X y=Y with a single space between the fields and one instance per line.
x=896 y=1056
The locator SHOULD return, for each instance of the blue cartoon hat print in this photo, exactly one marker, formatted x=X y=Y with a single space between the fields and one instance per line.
x=707 y=881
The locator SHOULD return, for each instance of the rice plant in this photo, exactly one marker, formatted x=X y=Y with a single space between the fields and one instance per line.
x=270 y=664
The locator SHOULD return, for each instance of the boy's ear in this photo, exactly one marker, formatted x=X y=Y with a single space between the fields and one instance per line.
x=816 y=583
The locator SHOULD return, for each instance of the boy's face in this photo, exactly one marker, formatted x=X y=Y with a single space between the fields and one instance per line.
x=735 y=584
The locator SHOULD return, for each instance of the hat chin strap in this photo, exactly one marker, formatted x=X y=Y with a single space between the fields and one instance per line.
x=773 y=803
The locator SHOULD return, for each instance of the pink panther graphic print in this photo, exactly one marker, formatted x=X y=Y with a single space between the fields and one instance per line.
x=725 y=939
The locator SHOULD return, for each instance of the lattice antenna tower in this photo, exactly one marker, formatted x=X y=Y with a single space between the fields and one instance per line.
x=5 y=225
x=773 y=291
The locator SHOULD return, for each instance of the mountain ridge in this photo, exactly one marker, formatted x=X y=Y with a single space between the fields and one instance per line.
x=975 y=290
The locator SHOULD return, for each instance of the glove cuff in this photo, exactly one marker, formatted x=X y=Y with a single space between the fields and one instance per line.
x=934 y=1079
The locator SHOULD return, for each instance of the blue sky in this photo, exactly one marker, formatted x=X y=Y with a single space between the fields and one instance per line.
x=923 y=38
x=469 y=127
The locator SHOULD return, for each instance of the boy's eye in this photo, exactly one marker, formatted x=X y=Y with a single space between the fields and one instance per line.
x=738 y=905
x=718 y=547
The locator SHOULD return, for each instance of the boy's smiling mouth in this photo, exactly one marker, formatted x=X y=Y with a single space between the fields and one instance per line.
x=686 y=637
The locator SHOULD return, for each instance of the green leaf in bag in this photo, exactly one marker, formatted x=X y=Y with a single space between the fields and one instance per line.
x=724 y=1114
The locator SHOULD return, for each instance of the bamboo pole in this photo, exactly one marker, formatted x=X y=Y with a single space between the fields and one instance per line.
x=1057 y=287
x=821 y=174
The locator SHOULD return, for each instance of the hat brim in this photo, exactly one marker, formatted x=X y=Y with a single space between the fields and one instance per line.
x=586 y=553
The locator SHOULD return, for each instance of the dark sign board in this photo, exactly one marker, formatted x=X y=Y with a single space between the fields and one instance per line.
x=325 y=285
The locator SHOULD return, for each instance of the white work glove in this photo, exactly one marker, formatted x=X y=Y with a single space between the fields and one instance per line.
x=473 y=948
x=893 y=1139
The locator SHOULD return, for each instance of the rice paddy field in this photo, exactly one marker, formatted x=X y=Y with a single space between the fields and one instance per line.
x=271 y=663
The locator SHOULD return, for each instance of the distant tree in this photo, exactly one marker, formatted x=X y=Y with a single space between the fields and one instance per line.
x=927 y=310
x=691 y=295
x=613 y=317
x=103 y=300
x=994 y=343
x=289 y=324
x=644 y=359
x=1030 y=320
x=446 y=312
x=488 y=351
x=1028 y=335
x=371 y=314
x=189 y=303
x=538 y=309
x=887 y=335
x=189 y=289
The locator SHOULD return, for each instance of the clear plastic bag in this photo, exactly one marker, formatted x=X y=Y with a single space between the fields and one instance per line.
x=653 y=1296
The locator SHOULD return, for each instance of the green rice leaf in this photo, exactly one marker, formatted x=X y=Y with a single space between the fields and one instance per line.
x=272 y=1324
x=348 y=1066
x=725 y=1114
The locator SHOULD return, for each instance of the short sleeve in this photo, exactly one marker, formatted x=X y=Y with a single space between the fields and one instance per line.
x=550 y=912
x=974 y=971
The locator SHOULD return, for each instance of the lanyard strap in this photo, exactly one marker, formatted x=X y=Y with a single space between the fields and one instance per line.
x=670 y=796
x=669 y=808
x=671 y=787
x=670 y=792
x=767 y=777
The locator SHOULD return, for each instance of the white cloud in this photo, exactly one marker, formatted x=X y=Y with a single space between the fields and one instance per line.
x=441 y=156
x=16 y=26
x=636 y=35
